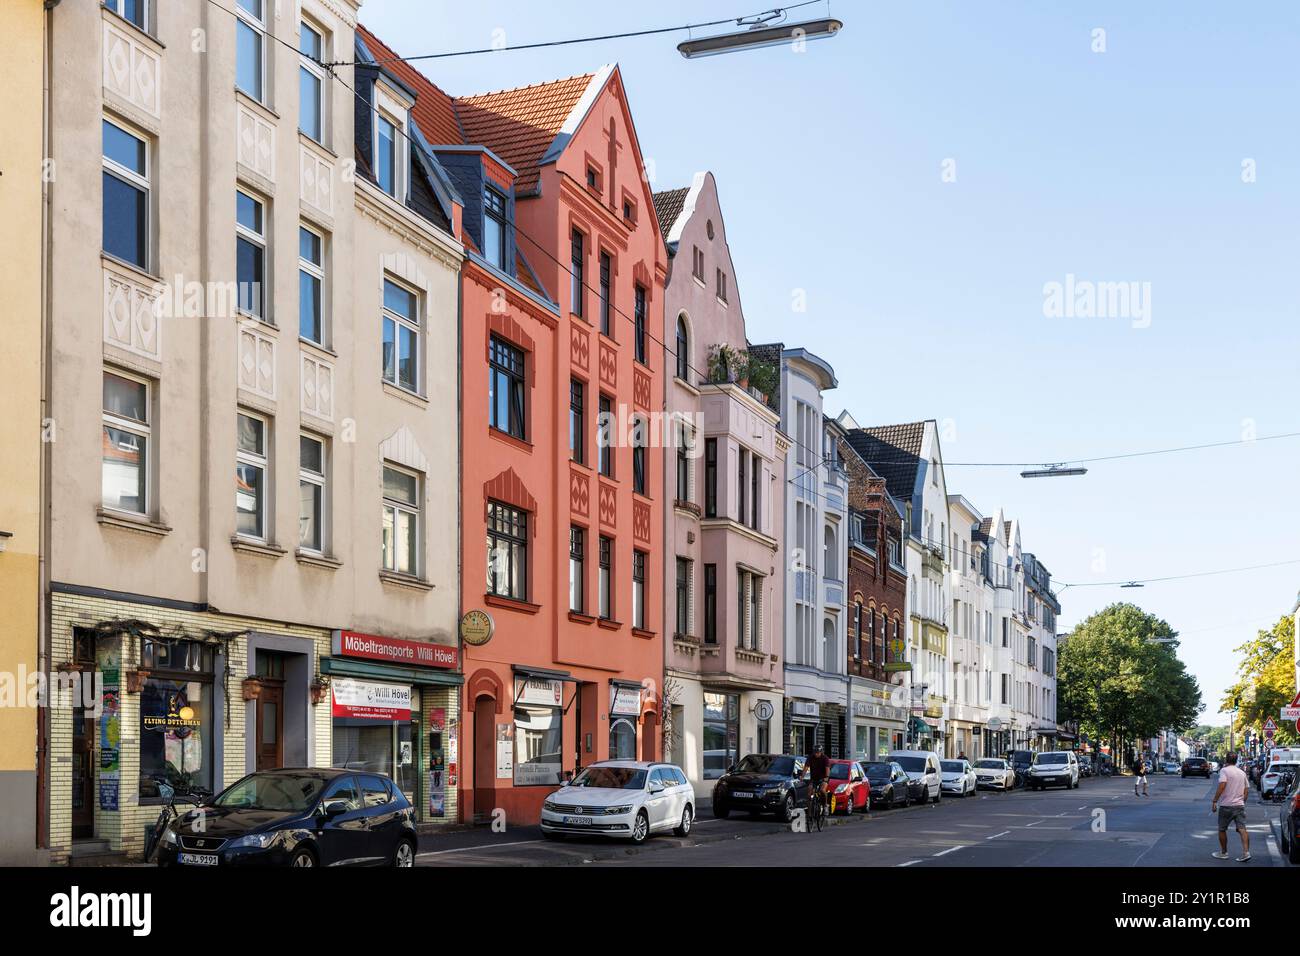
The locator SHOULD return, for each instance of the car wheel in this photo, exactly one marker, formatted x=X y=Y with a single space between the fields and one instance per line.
x=937 y=794
x=404 y=856
x=721 y=811
x=787 y=809
x=303 y=857
x=684 y=828
x=640 y=828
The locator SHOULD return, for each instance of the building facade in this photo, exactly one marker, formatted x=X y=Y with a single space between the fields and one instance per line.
x=971 y=643
x=21 y=428
x=1042 y=607
x=274 y=324
x=876 y=611
x=725 y=476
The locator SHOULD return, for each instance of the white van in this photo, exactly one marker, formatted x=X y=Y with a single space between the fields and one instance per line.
x=923 y=766
x=1054 y=768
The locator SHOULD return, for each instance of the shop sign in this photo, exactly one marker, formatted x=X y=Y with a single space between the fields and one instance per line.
x=437 y=763
x=539 y=691
x=393 y=650
x=370 y=700
x=624 y=701
x=862 y=709
x=477 y=627
x=764 y=710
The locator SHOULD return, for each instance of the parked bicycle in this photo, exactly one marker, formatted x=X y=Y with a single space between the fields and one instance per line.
x=169 y=793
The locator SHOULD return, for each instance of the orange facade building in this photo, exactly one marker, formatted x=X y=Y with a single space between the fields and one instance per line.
x=561 y=331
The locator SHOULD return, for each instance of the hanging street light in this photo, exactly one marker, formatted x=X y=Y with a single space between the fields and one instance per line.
x=764 y=29
x=1054 y=471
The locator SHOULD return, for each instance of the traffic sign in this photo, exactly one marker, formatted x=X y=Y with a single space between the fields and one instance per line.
x=1291 y=713
x=1270 y=725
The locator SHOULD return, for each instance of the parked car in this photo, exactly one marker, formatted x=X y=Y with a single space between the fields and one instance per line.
x=922 y=766
x=994 y=772
x=1021 y=761
x=1273 y=776
x=1085 y=765
x=850 y=789
x=296 y=817
x=1214 y=766
x=890 y=784
x=957 y=777
x=762 y=783
x=1054 y=768
x=1171 y=766
x=1289 y=822
x=631 y=799
x=1196 y=767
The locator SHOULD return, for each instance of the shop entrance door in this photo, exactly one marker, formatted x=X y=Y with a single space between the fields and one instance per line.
x=83 y=774
x=270 y=727
x=485 y=741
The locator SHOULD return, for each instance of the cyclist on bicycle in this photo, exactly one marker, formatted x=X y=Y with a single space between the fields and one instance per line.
x=819 y=771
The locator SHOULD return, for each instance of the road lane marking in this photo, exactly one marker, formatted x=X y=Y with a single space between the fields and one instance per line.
x=996 y=835
x=951 y=849
x=909 y=863
x=487 y=846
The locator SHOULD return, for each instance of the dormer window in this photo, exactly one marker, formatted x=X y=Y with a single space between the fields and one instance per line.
x=495 y=226
x=390 y=145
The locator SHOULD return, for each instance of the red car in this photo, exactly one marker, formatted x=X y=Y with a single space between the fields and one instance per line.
x=849 y=789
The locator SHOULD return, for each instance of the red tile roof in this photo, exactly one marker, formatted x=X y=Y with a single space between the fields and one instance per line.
x=434 y=111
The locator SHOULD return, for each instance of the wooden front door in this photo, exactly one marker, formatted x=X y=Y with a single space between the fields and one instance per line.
x=485 y=767
x=270 y=725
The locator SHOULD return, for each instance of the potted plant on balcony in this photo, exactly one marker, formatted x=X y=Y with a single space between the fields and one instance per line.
x=727 y=364
x=763 y=376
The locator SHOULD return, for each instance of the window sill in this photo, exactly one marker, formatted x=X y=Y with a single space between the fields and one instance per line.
x=317 y=560
x=642 y=633
x=132 y=522
x=317 y=145
x=405 y=580
x=605 y=336
x=610 y=625
x=413 y=398
x=261 y=548
x=140 y=272
x=262 y=108
x=511 y=604
x=577 y=617
x=521 y=443
x=317 y=347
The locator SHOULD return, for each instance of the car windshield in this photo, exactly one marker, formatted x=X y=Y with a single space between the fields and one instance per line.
x=284 y=792
x=611 y=778
x=989 y=765
x=1284 y=768
x=767 y=763
x=839 y=771
x=952 y=766
x=1023 y=756
x=911 y=764
x=1051 y=759
x=876 y=770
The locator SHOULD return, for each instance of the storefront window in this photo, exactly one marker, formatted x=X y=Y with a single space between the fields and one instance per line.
x=861 y=741
x=721 y=733
x=372 y=729
x=176 y=720
x=624 y=712
x=539 y=721
x=622 y=739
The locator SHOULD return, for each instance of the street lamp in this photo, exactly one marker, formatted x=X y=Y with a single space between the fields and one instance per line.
x=761 y=32
x=1054 y=471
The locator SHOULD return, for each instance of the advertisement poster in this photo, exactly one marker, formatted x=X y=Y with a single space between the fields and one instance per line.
x=505 y=751
x=371 y=700
x=451 y=753
x=437 y=763
x=110 y=729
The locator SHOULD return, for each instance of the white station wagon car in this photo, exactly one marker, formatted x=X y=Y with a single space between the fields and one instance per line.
x=628 y=799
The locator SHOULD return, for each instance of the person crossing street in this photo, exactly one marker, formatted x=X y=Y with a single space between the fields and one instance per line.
x=1140 y=777
x=1230 y=804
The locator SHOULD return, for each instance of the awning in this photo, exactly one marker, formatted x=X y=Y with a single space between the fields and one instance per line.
x=920 y=728
x=348 y=667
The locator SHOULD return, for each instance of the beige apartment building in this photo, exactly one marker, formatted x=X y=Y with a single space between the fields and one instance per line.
x=252 y=517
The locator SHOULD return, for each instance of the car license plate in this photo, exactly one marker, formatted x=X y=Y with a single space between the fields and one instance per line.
x=198 y=859
x=742 y=793
x=578 y=821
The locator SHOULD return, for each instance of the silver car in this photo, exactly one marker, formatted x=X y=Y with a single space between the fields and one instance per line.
x=624 y=799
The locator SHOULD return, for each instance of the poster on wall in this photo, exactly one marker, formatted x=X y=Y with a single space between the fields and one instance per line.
x=371 y=700
x=505 y=751
x=452 y=728
x=437 y=763
x=110 y=729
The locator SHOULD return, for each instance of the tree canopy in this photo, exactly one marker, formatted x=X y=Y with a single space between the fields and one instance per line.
x=1119 y=683
x=1267 y=681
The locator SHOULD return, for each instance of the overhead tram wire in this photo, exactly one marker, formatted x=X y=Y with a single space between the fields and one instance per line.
x=823 y=459
x=1176 y=577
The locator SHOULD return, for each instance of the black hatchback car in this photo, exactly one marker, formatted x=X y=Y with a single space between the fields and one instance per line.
x=890 y=784
x=302 y=817
x=762 y=783
x=1196 y=767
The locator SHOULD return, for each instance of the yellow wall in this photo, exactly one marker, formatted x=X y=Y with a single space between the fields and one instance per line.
x=21 y=58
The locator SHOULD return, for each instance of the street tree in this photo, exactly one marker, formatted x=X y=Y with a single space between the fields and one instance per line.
x=1266 y=681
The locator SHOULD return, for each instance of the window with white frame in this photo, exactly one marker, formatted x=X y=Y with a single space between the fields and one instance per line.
x=126 y=181
x=251 y=469
x=126 y=443
x=401 y=520
x=311 y=82
x=605 y=579
x=135 y=11
x=390 y=139
x=250 y=254
x=312 y=502
x=401 y=336
x=250 y=48
x=311 y=285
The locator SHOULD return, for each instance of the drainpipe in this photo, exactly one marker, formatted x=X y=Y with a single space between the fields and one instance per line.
x=43 y=641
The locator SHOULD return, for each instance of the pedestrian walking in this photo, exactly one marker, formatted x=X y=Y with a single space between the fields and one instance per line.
x=1230 y=804
x=1140 y=777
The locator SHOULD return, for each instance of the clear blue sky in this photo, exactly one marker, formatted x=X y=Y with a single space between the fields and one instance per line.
x=927 y=296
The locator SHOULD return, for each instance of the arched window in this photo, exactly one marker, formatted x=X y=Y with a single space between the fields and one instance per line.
x=683 y=350
x=828 y=645
x=829 y=555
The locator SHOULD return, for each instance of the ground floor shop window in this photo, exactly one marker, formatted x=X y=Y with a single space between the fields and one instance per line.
x=373 y=730
x=176 y=719
x=861 y=741
x=539 y=722
x=803 y=739
x=622 y=739
x=721 y=733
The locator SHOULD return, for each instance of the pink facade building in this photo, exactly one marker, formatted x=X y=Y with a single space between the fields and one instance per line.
x=725 y=468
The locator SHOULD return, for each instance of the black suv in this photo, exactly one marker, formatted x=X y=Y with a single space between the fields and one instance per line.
x=1196 y=766
x=1021 y=761
x=762 y=783
x=305 y=817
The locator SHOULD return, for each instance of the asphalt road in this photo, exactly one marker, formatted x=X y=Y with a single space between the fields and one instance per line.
x=1101 y=824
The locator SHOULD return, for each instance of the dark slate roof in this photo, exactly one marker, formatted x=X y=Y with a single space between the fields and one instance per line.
x=986 y=526
x=893 y=452
x=668 y=206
